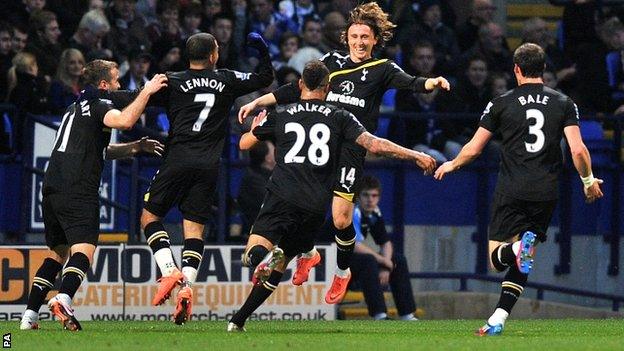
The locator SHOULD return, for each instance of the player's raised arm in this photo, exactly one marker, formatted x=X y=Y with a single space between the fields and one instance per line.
x=245 y=83
x=127 y=118
x=398 y=79
x=582 y=163
x=387 y=148
x=468 y=153
x=263 y=101
x=124 y=150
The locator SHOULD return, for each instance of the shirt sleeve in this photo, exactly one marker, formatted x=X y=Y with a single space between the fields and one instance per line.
x=396 y=78
x=266 y=129
x=287 y=93
x=351 y=127
x=571 y=117
x=245 y=83
x=100 y=108
x=357 y=224
x=490 y=117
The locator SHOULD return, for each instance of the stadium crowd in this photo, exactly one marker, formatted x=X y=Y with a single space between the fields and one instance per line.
x=44 y=45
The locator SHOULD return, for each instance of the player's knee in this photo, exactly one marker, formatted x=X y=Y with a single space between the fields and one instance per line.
x=147 y=218
x=254 y=255
x=342 y=221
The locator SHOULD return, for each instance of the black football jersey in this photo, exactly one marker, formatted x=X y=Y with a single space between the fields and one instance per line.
x=358 y=87
x=77 y=158
x=198 y=104
x=307 y=137
x=530 y=120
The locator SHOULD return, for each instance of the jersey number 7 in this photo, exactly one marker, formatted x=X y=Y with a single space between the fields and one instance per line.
x=209 y=99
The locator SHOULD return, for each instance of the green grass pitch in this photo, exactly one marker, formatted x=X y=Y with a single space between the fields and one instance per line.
x=531 y=335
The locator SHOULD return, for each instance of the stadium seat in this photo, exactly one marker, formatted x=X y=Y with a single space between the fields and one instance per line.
x=593 y=136
x=163 y=122
x=388 y=100
x=614 y=67
x=383 y=124
x=8 y=128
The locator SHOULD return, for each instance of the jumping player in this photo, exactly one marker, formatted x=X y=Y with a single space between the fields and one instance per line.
x=307 y=137
x=357 y=84
x=71 y=210
x=532 y=119
x=198 y=103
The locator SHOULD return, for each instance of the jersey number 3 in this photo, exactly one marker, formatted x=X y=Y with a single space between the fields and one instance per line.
x=319 y=136
x=535 y=129
x=209 y=99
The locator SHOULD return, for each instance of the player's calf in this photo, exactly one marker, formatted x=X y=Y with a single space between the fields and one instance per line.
x=43 y=282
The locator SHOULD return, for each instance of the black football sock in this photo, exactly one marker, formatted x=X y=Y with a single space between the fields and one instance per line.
x=345 y=240
x=158 y=240
x=503 y=257
x=191 y=258
x=74 y=273
x=513 y=285
x=258 y=295
x=254 y=256
x=43 y=282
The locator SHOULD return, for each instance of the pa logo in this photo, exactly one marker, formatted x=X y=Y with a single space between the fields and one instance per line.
x=6 y=341
x=347 y=87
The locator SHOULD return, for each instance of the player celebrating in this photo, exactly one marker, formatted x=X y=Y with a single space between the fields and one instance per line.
x=307 y=137
x=198 y=102
x=532 y=119
x=357 y=83
x=70 y=203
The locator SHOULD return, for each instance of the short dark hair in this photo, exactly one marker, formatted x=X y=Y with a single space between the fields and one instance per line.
x=310 y=18
x=96 y=71
x=5 y=27
x=40 y=19
x=315 y=75
x=531 y=59
x=192 y=9
x=258 y=153
x=221 y=16
x=370 y=183
x=200 y=46
x=164 y=5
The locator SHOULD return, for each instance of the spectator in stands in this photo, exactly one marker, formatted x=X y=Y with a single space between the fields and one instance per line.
x=92 y=29
x=27 y=91
x=482 y=12
x=375 y=269
x=498 y=84
x=312 y=32
x=303 y=56
x=23 y=10
x=211 y=8
x=168 y=25
x=140 y=62
x=222 y=27
x=191 y=19
x=431 y=28
x=579 y=26
x=19 y=39
x=535 y=30
x=6 y=55
x=344 y=7
x=43 y=42
x=68 y=13
x=286 y=75
x=491 y=46
x=127 y=29
x=550 y=79
x=593 y=90
x=66 y=87
x=288 y=46
x=424 y=135
x=334 y=25
x=298 y=11
x=253 y=184
x=270 y=24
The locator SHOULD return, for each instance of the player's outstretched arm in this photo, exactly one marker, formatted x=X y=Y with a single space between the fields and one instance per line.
x=249 y=140
x=263 y=101
x=387 y=148
x=468 y=153
x=127 y=118
x=582 y=163
x=125 y=150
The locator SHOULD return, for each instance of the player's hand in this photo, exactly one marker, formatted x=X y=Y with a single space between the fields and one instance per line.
x=439 y=82
x=151 y=146
x=426 y=162
x=258 y=119
x=255 y=41
x=245 y=110
x=384 y=277
x=593 y=192
x=155 y=84
x=447 y=167
x=387 y=263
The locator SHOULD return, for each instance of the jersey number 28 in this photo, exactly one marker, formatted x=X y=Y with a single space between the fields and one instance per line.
x=535 y=129
x=319 y=136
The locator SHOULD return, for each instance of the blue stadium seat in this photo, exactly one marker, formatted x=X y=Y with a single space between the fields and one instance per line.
x=383 y=124
x=8 y=128
x=593 y=137
x=614 y=67
x=163 y=122
x=388 y=99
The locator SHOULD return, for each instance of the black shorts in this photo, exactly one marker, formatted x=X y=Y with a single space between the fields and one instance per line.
x=350 y=168
x=291 y=228
x=70 y=219
x=191 y=189
x=510 y=217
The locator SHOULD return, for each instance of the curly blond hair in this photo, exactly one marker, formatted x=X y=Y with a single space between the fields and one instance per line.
x=373 y=16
